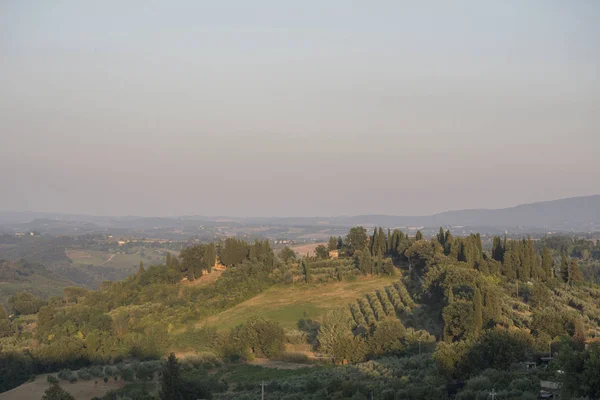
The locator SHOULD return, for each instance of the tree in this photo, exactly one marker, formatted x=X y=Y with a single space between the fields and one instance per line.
x=55 y=392
x=170 y=379
x=141 y=269
x=321 y=252
x=356 y=239
x=497 y=249
x=339 y=272
x=441 y=237
x=564 y=266
x=458 y=320
x=287 y=254
x=364 y=261
x=333 y=243
x=306 y=271
x=388 y=337
x=25 y=303
x=574 y=274
x=335 y=328
x=547 y=263
x=264 y=338
x=419 y=236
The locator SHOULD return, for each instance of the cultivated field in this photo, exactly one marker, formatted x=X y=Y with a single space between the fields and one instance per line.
x=288 y=304
x=303 y=249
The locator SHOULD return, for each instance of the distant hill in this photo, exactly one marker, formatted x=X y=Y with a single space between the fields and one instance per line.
x=578 y=214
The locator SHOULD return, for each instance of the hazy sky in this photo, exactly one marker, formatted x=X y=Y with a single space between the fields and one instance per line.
x=271 y=108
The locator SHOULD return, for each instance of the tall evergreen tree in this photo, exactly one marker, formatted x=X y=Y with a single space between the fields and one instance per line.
x=441 y=237
x=448 y=242
x=564 y=266
x=171 y=383
x=306 y=271
x=547 y=263
x=141 y=269
x=340 y=243
x=497 y=249
x=419 y=235
x=508 y=266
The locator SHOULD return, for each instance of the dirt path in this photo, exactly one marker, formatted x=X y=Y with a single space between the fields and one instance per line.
x=109 y=258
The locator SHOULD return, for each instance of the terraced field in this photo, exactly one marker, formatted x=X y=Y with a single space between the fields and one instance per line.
x=386 y=302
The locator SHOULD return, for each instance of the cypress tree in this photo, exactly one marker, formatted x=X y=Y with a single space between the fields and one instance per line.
x=448 y=242
x=508 y=267
x=547 y=263
x=441 y=237
x=141 y=269
x=419 y=235
x=306 y=270
x=497 y=250
x=564 y=266
x=478 y=313
x=168 y=261
x=171 y=384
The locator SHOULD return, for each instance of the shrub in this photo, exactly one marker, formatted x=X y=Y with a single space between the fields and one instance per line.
x=84 y=374
x=52 y=379
x=64 y=374
x=96 y=371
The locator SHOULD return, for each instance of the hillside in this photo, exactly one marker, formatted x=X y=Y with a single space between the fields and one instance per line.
x=30 y=277
x=289 y=304
x=399 y=316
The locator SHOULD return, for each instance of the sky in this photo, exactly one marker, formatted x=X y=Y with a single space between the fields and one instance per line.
x=305 y=108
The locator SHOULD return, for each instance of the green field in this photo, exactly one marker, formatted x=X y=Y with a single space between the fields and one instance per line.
x=288 y=304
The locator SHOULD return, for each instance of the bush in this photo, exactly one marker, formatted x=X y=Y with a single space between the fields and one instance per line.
x=127 y=374
x=84 y=374
x=52 y=379
x=96 y=371
x=64 y=374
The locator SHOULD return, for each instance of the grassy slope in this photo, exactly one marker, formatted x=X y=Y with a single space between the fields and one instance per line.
x=288 y=304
